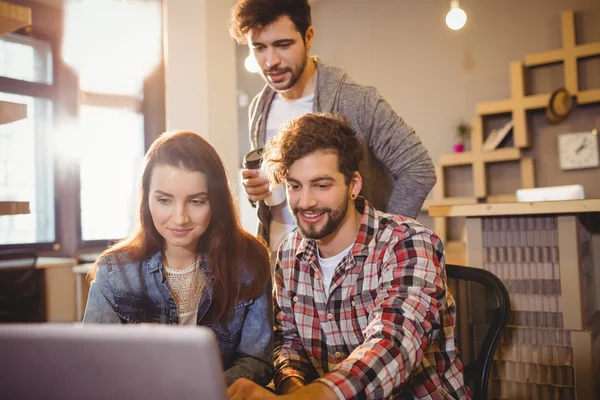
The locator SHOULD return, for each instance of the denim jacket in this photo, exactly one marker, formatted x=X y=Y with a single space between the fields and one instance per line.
x=126 y=291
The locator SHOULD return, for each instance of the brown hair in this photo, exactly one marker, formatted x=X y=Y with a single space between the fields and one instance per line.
x=249 y=14
x=234 y=255
x=309 y=133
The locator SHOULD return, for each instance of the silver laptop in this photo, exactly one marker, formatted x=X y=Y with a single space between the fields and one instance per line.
x=53 y=361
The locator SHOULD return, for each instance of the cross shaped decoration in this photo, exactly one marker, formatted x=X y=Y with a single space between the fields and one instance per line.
x=568 y=55
x=478 y=158
x=518 y=105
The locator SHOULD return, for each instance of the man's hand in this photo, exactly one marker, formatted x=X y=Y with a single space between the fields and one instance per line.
x=256 y=187
x=245 y=389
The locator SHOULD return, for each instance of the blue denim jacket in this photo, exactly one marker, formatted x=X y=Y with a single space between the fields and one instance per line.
x=126 y=291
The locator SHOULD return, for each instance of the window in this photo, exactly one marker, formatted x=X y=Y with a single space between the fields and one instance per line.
x=25 y=59
x=112 y=63
x=111 y=165
x=26 y=154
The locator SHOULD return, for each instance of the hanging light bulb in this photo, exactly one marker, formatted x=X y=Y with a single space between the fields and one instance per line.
x=456 y=17
x=251 y=64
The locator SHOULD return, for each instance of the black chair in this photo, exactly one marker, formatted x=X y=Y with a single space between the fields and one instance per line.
x=482 y=312
x=21 y=287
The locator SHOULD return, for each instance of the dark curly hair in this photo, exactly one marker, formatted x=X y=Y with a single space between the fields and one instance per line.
x=310 y=133
x=249 y=14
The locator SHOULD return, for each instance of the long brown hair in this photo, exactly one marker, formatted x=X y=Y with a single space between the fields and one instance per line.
x=238 y=262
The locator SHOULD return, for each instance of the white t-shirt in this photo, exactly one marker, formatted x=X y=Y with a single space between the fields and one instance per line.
x=328 y=266
x=280 y=112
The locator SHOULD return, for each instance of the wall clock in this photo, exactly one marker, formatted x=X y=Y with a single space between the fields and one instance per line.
x=578 y=150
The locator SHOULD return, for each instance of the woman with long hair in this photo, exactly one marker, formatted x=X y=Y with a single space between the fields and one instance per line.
x=190 y=262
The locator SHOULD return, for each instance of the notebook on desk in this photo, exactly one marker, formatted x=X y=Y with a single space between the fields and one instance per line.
x=53 y=361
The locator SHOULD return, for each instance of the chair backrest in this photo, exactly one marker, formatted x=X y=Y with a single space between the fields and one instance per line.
x=21 y=287
x=482 y=312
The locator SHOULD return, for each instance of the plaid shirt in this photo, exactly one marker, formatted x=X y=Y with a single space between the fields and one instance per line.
x=386 y=327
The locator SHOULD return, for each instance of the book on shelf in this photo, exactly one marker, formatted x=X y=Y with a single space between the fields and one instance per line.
x=496 y=136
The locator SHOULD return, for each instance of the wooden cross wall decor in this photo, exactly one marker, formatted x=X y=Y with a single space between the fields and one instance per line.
x=478 y=158
x=569 y=55
x=517 y=105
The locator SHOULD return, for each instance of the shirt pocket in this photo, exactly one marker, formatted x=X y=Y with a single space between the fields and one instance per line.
x=231 y=331
x=360 y=306
x=137 y=310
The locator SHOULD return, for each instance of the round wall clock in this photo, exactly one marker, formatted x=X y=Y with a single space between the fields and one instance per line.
x=559 y=106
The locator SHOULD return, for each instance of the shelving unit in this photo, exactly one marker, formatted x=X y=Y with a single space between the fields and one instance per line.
x=517 y=106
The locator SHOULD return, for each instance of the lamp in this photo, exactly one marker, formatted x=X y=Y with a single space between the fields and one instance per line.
x=456 y=17
x=251 y=64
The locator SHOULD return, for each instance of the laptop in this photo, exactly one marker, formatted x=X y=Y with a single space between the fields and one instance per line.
x=143 y=362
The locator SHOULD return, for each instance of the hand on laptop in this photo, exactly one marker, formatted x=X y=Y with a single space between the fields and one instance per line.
x=244 y=389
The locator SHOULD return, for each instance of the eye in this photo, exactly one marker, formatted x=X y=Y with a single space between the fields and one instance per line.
x=293 y=186
x=198 y=202
x=323 y=186
x=164 y=200
x=257 y=49
x=285 y=45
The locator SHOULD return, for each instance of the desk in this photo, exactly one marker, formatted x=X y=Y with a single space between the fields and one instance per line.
x=548 y=256
x=59 y=286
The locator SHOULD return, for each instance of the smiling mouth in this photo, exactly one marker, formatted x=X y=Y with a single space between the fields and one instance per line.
x=311 y=217
x=179 y=231
x=277 y=75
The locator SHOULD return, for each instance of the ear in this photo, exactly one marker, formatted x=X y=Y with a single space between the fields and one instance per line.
x=308 y=37
x=355 y=184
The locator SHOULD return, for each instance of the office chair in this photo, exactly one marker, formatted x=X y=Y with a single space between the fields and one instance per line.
x=482 y=312
x=21 y=287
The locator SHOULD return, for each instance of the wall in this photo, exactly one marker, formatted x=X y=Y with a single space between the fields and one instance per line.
x=433 y=76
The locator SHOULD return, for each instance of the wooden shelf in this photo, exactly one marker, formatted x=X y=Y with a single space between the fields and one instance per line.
x=448 y=201
x=13 y=17
x=525 y=208
x=14 y=207
x=11 y=112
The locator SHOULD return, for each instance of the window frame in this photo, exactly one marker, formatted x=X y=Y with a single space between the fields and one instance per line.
x=47 y=25
x=48 y=92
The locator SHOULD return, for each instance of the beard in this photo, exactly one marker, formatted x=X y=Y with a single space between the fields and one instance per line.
x=333 y=221
x=296 y=73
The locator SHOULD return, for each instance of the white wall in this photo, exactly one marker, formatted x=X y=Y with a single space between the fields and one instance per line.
x=201 y=75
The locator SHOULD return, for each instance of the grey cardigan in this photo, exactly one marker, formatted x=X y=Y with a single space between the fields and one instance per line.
x=397 y=171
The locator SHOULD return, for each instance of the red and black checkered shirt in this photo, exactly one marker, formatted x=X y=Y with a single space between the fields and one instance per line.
x=386 y=327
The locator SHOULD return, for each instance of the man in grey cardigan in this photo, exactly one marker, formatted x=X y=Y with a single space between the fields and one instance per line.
x=397 y=171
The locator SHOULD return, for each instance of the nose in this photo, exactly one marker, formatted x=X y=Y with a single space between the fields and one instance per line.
x=307 y=200
x=272 y=58
x=181 y=215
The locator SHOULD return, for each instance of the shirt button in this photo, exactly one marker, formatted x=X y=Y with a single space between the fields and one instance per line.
x=353 y=303
x=330 y=316
x=338 y=354
x=295 y=299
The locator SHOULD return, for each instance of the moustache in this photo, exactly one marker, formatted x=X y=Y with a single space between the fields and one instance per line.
x=275 y=71
x=298 y=210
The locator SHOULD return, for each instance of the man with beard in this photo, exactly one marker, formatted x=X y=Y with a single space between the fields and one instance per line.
x=361 y=303
x=397 y=170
